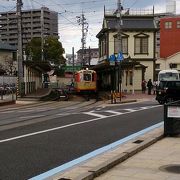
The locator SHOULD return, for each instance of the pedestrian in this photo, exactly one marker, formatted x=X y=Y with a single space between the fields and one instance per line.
x=155 y=83
x=143 y=86
x=149 y=86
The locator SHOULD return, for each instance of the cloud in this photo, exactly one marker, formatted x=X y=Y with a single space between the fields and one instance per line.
x=177 y=7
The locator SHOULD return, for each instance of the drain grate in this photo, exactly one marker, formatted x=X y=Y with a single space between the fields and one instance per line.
x=172 y=168
x=138 y=141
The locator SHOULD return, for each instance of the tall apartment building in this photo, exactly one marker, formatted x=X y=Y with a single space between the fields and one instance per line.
x=35 y=23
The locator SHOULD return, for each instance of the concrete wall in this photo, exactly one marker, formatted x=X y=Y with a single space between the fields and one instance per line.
x=165 y=62
x=136 y=76
x=144 y=59
x=131 y=45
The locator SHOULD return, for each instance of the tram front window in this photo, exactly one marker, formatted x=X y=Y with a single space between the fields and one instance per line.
x=87 y=77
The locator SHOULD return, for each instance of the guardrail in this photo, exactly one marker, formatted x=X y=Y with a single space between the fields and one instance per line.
x=172 y=118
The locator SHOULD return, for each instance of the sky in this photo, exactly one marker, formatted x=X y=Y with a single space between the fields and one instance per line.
x=70 y=32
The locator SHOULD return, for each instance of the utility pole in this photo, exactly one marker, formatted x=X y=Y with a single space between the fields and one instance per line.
x=119 y=36
x=42 y=34
x=73 y=61
x=89 y=59
x=20 y=51
x=82 y=21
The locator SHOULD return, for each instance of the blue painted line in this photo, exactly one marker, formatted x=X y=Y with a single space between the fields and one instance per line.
x=93 y=153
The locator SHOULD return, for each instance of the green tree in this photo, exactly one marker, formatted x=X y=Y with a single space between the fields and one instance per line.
x=53 y=50
x=33 y=49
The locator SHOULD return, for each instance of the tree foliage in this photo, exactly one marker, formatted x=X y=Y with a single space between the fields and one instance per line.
x=52 y=50
x=8 y=67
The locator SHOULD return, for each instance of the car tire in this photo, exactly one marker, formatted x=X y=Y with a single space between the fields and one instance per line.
x=161 y=102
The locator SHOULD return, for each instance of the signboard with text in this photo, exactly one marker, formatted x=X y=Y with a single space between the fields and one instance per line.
x=173 y=111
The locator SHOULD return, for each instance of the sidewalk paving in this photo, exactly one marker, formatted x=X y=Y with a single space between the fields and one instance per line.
x=160 y=161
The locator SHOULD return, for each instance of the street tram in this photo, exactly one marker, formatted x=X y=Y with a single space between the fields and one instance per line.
x=85 y=81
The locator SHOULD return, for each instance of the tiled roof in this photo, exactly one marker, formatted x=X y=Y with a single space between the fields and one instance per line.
x=129 y=23
x=139 y=23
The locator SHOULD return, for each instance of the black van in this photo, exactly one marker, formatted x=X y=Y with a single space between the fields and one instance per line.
x=168 y=91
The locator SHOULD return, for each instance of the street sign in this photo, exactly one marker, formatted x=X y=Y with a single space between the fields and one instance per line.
x=120 y=57
x=112 y=58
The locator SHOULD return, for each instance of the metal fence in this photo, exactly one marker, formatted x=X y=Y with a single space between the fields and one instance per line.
x=11 y=96
x=8 y=80
x=172 y=118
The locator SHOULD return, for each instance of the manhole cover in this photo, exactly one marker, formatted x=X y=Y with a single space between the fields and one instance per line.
x=172 y=168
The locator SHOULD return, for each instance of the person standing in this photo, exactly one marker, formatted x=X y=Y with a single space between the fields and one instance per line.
x=155 y=83
x=149 y=85
x=143 y=86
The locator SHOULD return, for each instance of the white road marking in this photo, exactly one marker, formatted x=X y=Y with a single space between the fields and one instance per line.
x=48 y=130
x=71 y=107
x=95 y=114
x=114 y=112
x=98 y=109
x=131 y=110
x=65 y=114
x=65 y=126
x=24 y=111
x=146 y=107
x=6 y=112
x=27 y=117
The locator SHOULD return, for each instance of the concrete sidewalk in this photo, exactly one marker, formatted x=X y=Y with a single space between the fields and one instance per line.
x=160 y=161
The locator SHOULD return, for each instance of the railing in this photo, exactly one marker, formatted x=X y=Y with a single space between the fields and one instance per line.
x=131 y=12
x=172 y=118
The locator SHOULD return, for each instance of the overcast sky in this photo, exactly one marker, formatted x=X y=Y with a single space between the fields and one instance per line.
x=69 y=30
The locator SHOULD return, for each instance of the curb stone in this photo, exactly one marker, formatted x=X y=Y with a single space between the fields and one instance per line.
x=3 y=103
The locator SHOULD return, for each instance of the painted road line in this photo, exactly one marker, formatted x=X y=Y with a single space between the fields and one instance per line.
x=65 y=114
x=114 y=112
x=60 y=127
x=28 y=117
x=24 y=111
x=6 y=112
x=92 y=154
x=131 y=110
x=95 y=114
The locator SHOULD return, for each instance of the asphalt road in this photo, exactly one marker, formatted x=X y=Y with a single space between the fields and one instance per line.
x=65 y=133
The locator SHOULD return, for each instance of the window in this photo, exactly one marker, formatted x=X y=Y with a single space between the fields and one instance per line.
x=171 y=65
x=178 y=24
x=141 y=45
x=157 y=66
x=168 y=25
x=124 y=45
x=131 y=78
x=87 y=77
x=103 y=47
